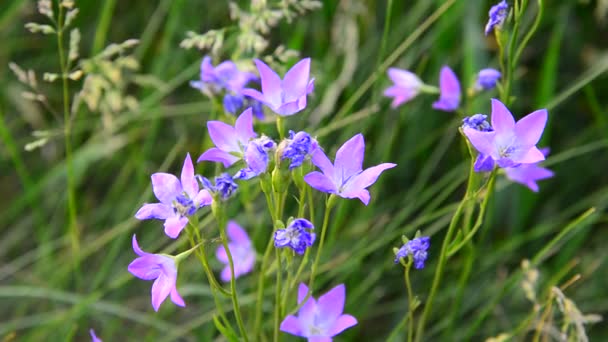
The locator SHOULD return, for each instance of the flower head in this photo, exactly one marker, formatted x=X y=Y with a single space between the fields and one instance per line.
x=346 y=177
x=298 y=147
x=241 y=249
x=478 y=122
x=497 y=16
x=94 y=337
x=417 y=248
x=449 y=91
x=297 y=236
x=178 y=199
x=224 y=185
x=285 y=97
x=487 y=79
x=319 y=320
x=230 y=141
x=528 y=174
x=161 y=267
x=225 y=76
x=510 y=143
x=257 y=157
x=406 y=86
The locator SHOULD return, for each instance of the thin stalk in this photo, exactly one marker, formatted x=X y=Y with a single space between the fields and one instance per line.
x=531 y=32
x=328 y=206
x=387 y=25
x=277 y=298
x=410 y=302
x=201 y=254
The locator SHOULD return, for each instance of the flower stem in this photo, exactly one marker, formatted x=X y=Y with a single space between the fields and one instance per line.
x=410 y=302
x=277 y=298
x=329 y=203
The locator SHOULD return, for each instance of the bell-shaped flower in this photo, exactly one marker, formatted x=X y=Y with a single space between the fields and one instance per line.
x=241 y=249
x=230 y=141
x=510 y=143
x=528 y=174
x=406 y=86
x=346 y=177
x=287 y=96
x=449 y=91
x=161 y=267
x=319 y=320
x=178 y=199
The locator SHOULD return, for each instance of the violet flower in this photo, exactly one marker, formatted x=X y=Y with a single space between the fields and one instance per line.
x=178 y=199
x=319 y=320
x=511 y=143
x=346 y=177
x=417 y=248
x=224 y=185
x=161 y=267
x=285 y=97
x=406 y=86
x=528 y=174
x=297 y=148
x=225 y=75
x=449 y=91
x=487 y=79
x=497 y=16
x=256 y=157
x=230 y=141
x=297 y=236
x=94 y=337
x=243 y=253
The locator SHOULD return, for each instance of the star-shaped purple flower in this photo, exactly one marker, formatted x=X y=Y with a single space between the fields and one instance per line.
x=449 y=91
x=406 y=86
x=243 y=253
x=528 y=174
x=178 y=199
x=319 y=320
x=230 y=141
x=511 y=143
x=497 y=16
x=298 y=236
x=346 y=177
x=285 y=97
x=161 y=267
x=225 y=75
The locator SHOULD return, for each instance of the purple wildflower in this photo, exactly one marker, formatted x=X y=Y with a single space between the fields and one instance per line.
x=94 y=337
x=178 y=199
x=298 y=147
x=449 y=91
x=510 y=144
x=497 y=16
x=256 y=157
x=297 y=236
x=406 y=86
x=346 y=178
x=319 y=320
x=225 y=75
x=487 y=79
x=417 y=248
x=242 y=252
x=230 y=141
x=528 y=174
x=161 y=267
x=224 y=185
x=285 y=97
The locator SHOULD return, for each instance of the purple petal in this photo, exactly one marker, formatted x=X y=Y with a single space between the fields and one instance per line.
x=307 y=313
x=136 y=248
x=244 y=126
x=226 y=274
x=449 y=90
x=534 y=155
x=157 y=211
x=404 y=78
x=189 y=183
x=322 y=162
x=174 y=225
x=176 y=298
x=145 y=267
x=366 y=178
x=311 y=86
x=321 y=182
x=207 y=71
x=349 y=158
x=223 y=136
x=400 y=95
x=331 y=304
x=291 y=325
x=94 y=337
x=295 y=82
x=342 y=323
x=160 y=290
x=483 y=163
x=291 y=108
x=271 y=84
x=253 y=93
x=202 y=199
x=216 y=155
x=482 y=141
x=528 y=174
x=237 y=234
x=302 y=292
x=361 y=194
x=319 y=339
x=166 y=187
x=220 y=254
x=530 y=128
x=502 y=120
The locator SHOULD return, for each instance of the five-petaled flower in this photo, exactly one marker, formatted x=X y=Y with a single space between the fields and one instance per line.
x=298 y=236
x=178 y=199
x=297 y=148
x=417 y=248
x=346 y=177
x=319 y=320
x=449 y=91
x=497 y=15
x=230 y=141
x=528 y=174
x=510 y=143
x=406 y=86
x=243 y=253
x=487 y=79
x=161 y=267
x=285 y=97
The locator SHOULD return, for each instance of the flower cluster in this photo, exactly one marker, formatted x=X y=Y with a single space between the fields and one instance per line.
x=417 y=249
x=297 y=235
x=298 y=147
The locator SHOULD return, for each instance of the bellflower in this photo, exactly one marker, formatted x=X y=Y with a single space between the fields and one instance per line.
x=319 y=320
x=346 y=177
x=298 y=147
x=256 y=157
x=178 y=199
x=243 y=253
x=285 y=97
x=161 y=267
x=297 y=236
x=230 y=141
x=449 y=91
x=224 y=76
x=528 y=174
x=417 y=248
x=224 y=185
x=487 y=79
x=497 y=16
x=406 y=86
x=511 y=143
x=94 y=337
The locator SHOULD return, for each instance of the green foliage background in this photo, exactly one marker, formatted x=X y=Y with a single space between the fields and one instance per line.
x=42 y=296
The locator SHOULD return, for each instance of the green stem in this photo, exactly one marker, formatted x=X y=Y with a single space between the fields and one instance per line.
x=410 y=302
x=201 y=254
x=530 y=33
x=329 y=203
x=277 y=298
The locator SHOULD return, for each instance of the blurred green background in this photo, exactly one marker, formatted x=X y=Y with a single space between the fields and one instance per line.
x=50 y=292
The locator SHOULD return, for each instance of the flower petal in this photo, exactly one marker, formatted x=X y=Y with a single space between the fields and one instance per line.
x=291 y=108
x=253 y=93
x=322 y=162
x=321 y=182
x=331 y=304
x=189 y=183
x=136 y=248
x=223 y=136
x=534 y=155
x=244 y=126
x=319 y=339
x=502 y=119
x=226 y=274
x=237 y=234
x=271 y=84
x=174 y=225
x=145 y=267
x=214 y=154
x=302 y=292
x=306 y=315
x=160 y=290
x=349 y=158
x=404 y=78
x=530 y=128
x=482 y=141
x=449 y=88
x=157 y=211
x=166 y=187
x=220 y=254
x=295 y=81
x=176 y=298
x=202 y=199
x=291 y=325
x=342 y=323
x=366 y=178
